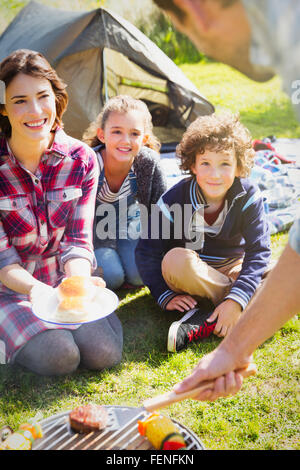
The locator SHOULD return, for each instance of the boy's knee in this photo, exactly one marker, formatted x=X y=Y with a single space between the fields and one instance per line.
x=177 y=260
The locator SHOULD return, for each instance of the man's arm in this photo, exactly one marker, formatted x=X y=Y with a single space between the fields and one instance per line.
x=273 y=305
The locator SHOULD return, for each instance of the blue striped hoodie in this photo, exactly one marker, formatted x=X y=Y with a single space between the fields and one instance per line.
x=244 y=233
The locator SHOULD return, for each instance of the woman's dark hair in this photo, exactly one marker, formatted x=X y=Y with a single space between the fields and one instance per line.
x=34 y=64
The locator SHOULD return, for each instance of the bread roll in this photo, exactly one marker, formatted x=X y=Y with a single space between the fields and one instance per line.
x=73 y=309
x=76 y=286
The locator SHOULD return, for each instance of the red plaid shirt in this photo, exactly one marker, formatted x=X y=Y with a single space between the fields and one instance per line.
x=49 y=213
x=46 y=218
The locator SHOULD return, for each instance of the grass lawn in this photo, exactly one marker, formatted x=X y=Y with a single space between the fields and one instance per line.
x=264 y=415
x=263 y=107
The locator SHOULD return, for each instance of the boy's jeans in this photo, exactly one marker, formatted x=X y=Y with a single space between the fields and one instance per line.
x=119 y=264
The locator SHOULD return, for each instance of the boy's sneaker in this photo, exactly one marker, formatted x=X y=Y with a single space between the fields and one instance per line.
x=191 y=327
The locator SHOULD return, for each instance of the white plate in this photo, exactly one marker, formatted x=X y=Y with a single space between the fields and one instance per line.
x=105 y=302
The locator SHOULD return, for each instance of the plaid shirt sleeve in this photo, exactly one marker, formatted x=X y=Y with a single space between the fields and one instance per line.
x=8 y=253
x=78 y=237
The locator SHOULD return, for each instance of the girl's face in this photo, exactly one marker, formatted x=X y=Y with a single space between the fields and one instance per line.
x=215 y=173
x=30 y=108
x=123 y=136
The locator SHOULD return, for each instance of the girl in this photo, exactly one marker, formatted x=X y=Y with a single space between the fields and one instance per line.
x=130 y=173
x=47 y=189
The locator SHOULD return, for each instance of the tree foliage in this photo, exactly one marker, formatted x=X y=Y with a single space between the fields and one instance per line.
x=153 y=24
x=175 y=44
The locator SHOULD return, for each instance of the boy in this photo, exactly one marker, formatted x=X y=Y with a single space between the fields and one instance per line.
x=217 y=245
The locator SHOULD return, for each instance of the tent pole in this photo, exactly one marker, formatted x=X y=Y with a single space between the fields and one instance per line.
x=102 y=13
x=105 y=76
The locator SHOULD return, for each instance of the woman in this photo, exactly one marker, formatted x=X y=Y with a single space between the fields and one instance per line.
x=48 y=184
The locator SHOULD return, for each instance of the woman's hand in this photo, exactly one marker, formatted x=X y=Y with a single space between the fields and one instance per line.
x=181 y=302
x=40 y=290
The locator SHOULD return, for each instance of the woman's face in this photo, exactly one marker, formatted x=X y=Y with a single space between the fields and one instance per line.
x=31 y=109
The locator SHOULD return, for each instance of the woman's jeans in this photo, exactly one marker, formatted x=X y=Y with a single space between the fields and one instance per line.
x=118 y=264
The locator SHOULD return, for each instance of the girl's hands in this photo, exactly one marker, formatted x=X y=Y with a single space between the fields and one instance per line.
x=228 y=314
x=182 y=303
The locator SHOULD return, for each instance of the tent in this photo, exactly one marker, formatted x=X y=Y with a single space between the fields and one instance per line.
x=99 y=54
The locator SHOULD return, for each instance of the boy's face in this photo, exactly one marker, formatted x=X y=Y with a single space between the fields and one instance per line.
x=215 y=172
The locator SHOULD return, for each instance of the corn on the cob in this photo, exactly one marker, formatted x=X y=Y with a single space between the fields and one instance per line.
x=23 y=438
x=161 y=432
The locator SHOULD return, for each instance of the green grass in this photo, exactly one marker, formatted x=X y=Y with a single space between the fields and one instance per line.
x=264 y=108
x=265 y=414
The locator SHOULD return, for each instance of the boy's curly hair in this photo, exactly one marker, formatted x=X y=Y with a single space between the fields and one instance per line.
x=217 y=133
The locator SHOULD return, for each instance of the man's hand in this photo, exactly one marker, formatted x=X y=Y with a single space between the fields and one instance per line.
x=219 y=367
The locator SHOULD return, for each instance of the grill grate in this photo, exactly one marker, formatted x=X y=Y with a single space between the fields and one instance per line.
x=121 y=433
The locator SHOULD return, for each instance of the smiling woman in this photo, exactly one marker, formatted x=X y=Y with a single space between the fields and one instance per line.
x=30 y=109
x=48 y=184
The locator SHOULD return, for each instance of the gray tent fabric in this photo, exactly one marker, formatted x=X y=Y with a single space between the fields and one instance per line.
x=99 y=54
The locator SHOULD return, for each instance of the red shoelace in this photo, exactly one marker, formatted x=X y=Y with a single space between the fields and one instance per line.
x=203 y=331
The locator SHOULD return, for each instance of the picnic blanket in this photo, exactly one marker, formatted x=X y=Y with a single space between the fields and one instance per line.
x=276 y=172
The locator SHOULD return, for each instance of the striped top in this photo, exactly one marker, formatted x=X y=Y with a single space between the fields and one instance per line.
x=105 y=195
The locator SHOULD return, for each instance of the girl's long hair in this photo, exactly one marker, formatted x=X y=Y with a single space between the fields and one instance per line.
x=121 y=104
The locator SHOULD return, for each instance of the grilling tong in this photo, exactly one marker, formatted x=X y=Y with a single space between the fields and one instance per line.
x=169 y=398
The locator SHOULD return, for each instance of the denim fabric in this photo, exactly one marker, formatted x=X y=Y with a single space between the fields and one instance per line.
x=118 y=264
x=116 y=254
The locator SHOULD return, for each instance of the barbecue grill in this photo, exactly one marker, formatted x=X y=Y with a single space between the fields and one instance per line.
x=121 y=433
